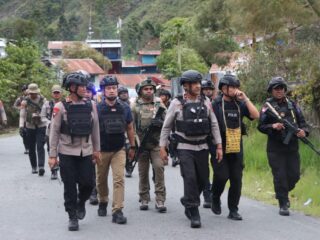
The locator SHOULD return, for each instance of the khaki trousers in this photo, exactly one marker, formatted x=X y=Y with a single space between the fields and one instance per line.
x=145 y=158
x=117 y=162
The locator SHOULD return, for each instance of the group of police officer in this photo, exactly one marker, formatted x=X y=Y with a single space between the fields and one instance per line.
x=86 y=137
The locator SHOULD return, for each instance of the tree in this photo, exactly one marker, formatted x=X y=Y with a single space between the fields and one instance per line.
x=81 y=51
x=131 y=33
x=168 y=64
x=22 y=65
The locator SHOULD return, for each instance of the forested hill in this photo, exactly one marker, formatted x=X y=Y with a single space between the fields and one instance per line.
x=69 y=20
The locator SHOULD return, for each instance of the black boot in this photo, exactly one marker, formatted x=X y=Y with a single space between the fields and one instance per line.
x=186 y=210
x=207 y=198
x=73 y=221
x=216 y=206
x=117 y=217
x=234 y=215
x=102 y=210
x=81 y=210
x=195 y=217
x=283 y=205
x=54 y=174
x=93 y=197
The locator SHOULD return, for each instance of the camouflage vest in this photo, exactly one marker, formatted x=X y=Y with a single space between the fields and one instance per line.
x=145 y=112
x=33 y=110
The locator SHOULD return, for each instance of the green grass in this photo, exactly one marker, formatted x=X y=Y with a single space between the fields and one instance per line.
x=257 y=177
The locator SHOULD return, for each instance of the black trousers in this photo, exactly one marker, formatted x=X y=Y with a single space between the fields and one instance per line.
x=36 y=139
x=230 y=168
x=25 y=139
x=77 y=176
x=285 y=168
x=195 y=173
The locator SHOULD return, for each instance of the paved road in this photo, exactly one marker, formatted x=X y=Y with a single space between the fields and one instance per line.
x=31 y=207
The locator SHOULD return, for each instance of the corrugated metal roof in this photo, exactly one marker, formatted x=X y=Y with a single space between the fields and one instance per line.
x=60 y=44
x=149 y=52
x=104 y=45
x=79 y=64
x=135 y=63
x=130 y=80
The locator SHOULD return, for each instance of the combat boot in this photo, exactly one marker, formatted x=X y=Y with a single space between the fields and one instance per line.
x=102 y=210
x=81 y=210
x=93 y=197
x=144 y=205
x=216 y=206
x=160 y=207
x=283 y=204
x=34 y=170
x=54 y=174
x=206 y=198
x=117 y=217
x=73 y=221
x=186 y=210
x=234 y=215
x=41 y=171
x=195 y=217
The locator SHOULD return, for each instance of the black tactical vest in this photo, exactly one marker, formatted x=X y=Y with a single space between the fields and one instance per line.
x=195 y=119
x=112 y=126
x=111 y=119
x=79 y=119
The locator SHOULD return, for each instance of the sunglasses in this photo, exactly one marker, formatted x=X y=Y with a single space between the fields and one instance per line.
x=56 y=92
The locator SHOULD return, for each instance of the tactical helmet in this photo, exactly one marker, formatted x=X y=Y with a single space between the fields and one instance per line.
x=229 y=80
x=190 y=76
x=207 y=84
x=146 y=82
x=275 y=82
x=77 y=78
x=165 y=93
x=122 y=90
x=91 y=88
x=108 y=81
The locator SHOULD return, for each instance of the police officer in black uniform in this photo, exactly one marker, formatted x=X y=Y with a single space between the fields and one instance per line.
x=194 y=121
x=284 y=159
x=74 y=136
x=230 y=108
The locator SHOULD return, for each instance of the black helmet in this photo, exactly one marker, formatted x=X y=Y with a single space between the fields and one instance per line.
x=190 y=76
x=24 y=87
x=108 y=81
x=122 y=90
x=77 y=78
x=91 y=88
x=275 y=82
x=146 y=82
x=207 y=84
x=229 y=80
x=165 y=93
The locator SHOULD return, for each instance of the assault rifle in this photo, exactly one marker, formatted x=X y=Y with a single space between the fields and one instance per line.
x=291 y=129
x=146 y=137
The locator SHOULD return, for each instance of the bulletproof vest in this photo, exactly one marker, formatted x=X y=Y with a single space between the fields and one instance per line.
x=286 y=111
x=79 y=119
x=33 y=111
x=112 y=120
x=195 y=119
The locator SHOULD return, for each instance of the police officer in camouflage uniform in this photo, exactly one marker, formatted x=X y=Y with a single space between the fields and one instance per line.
x=30 y=116
x=284 y=159
x=194 y=121
x=46 y=114
x=74 y=136
x=144 y=110
x=17 y=106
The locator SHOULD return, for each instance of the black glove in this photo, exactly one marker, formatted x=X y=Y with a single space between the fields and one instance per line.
x=157 y=122
x=21 y=131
